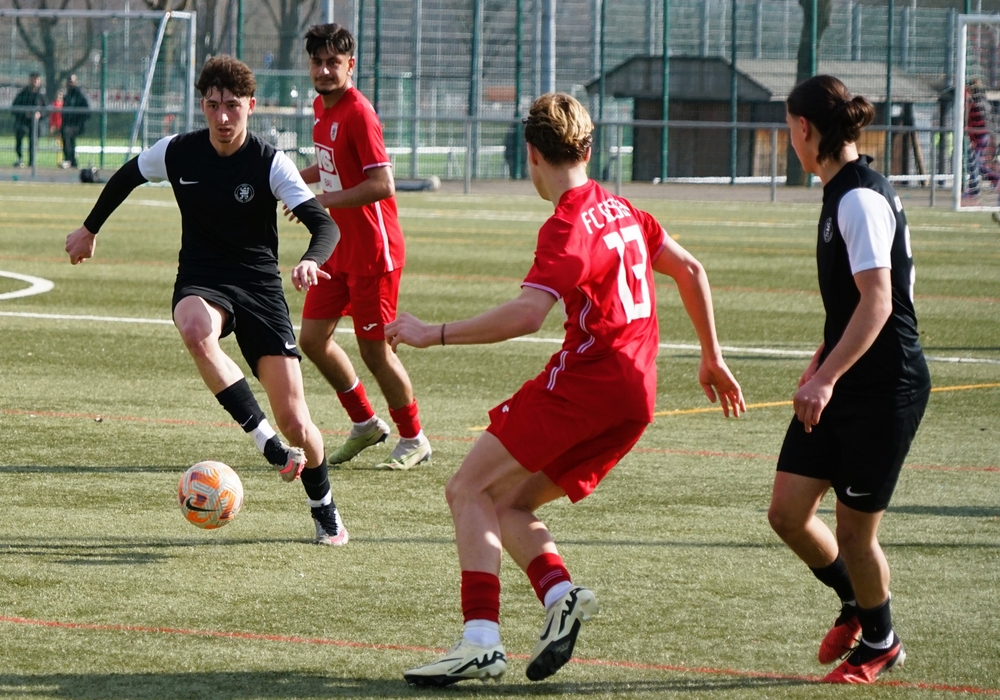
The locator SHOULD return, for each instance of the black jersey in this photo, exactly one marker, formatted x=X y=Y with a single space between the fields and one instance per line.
x=893 y=368
x=228 y=204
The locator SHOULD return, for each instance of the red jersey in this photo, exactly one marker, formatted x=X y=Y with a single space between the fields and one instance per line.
x=595 y=253
x=348 y=139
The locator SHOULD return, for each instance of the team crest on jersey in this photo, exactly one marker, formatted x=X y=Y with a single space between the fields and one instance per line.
x=244 y=193
x=828 y=229
x=333 y=130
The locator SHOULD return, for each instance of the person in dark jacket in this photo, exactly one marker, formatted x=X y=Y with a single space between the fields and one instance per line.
x=26 y=113
x=76 y=112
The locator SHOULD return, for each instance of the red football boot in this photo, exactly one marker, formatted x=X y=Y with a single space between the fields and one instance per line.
x=865 y=664
x=842 y=637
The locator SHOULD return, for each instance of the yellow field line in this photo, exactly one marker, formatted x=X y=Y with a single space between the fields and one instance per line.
x=768 y=404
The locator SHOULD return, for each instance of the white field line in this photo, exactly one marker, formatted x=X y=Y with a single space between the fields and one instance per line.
x=686 y=347
x=500 y=215
x=38 y=285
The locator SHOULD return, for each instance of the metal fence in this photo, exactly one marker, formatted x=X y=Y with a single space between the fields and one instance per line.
x=450 y=77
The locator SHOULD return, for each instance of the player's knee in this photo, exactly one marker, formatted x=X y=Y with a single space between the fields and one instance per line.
x=781 y=521
x=295 y=428
x=375 y=354
x=313 y=345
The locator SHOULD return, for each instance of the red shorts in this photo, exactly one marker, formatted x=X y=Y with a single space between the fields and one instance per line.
x=573 y=447
x=369 y=299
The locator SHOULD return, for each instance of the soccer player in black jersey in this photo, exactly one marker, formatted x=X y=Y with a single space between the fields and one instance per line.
x=860 y=400
x=227 y=183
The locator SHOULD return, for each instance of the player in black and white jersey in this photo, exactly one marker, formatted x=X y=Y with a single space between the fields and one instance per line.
x=861 y=398
x=227 y=183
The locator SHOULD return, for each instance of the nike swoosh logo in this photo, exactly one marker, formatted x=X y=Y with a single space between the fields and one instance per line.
x=289 y=346
x=244 y=423
x=190 y=506
x=187 y=182
x=315 y=121
x=849 y=492
x=369 y=326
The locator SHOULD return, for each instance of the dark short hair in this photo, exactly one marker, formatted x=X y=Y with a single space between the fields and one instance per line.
x=829 y=106
x=333 y=37
x=32 y=75
x=226 y=73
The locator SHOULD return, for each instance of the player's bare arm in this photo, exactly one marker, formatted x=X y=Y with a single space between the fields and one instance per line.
x=873 y=310
x=512 y=319
x=379 y=185
x=692 y=284
x=310 y=174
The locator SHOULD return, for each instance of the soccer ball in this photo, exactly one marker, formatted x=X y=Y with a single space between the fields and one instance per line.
x=210 y=495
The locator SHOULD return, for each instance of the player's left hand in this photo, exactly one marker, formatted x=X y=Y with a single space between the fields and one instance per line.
x=306 y=274
x=410 y=330
x=810 y=400
x=718 y=382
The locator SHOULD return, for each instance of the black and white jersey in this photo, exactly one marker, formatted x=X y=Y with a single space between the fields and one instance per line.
x=228 y=204
x=862 y=227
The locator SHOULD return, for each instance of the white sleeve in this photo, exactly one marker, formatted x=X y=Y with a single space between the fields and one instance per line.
x=286 y=183
x=868 y=226
x=153 y=161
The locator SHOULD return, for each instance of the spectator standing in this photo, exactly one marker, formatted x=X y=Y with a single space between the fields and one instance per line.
x=26 y=112
x=73 y=121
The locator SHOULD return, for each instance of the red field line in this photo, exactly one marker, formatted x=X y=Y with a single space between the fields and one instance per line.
x=289 y=639
x=446 y=438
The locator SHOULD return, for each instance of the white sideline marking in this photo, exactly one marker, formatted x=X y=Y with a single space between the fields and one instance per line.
x=770 y=352
x=38 y=285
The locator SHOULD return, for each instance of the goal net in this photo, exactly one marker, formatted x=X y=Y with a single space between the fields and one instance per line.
x=135 y=70
x=977 y=113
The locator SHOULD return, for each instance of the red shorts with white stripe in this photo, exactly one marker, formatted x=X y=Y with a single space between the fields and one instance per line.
x=574 y=448
x=369 y=299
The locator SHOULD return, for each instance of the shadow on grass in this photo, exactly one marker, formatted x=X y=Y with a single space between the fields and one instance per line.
x=949 y=511
x=230 y=686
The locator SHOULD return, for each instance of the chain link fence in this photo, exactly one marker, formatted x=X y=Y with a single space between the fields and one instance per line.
x=450 y=79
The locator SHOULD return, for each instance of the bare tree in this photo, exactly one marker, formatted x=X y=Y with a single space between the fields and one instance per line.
x=40 y=40
x=290 y=17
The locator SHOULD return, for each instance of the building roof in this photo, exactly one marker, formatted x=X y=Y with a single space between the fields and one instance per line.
x=758 y=80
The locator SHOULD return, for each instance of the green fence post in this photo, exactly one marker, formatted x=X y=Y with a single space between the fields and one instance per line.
x=104 y=96
x=665 y=109
x=888 y=92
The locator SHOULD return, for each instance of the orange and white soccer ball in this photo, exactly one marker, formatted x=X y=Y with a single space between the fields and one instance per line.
x=210 y=494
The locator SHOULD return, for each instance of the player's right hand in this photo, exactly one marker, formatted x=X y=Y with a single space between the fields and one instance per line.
x=410 y=330
x=287 y=213
x=80 y=245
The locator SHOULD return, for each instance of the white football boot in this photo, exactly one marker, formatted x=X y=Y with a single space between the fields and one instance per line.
x=466 y=661
x=563 y=620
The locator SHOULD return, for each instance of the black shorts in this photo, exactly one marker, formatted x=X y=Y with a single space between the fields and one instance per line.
x=256 y=312
x=859 y=450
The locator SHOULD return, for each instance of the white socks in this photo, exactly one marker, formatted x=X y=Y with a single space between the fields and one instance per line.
x=262 y=433
x=484 y=633
x=553 y=595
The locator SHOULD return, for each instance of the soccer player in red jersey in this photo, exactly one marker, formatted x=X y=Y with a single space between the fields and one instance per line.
x=358 y=189
x=564 y=430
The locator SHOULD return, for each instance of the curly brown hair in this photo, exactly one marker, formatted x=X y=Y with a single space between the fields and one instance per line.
x=560 y=129
x=226 y=73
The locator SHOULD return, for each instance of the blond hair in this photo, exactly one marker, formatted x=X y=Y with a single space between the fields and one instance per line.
x=559 y=127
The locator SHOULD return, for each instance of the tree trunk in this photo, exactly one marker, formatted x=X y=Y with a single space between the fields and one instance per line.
x=795 y=175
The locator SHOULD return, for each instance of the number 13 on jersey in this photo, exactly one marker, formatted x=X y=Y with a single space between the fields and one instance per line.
x=633 y=289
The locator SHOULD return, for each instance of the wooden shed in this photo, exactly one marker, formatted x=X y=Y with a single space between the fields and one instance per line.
x=700 y=91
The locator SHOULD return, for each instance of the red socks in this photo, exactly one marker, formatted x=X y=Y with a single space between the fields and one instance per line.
x=407 y=420
x=355 y=402
x=480 y=596
x=544 y=572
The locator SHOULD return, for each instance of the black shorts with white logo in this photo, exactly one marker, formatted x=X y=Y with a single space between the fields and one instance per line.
x=255 y=311
x=859 y=450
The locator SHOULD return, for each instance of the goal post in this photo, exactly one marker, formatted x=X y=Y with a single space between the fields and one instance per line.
x=976 y=118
